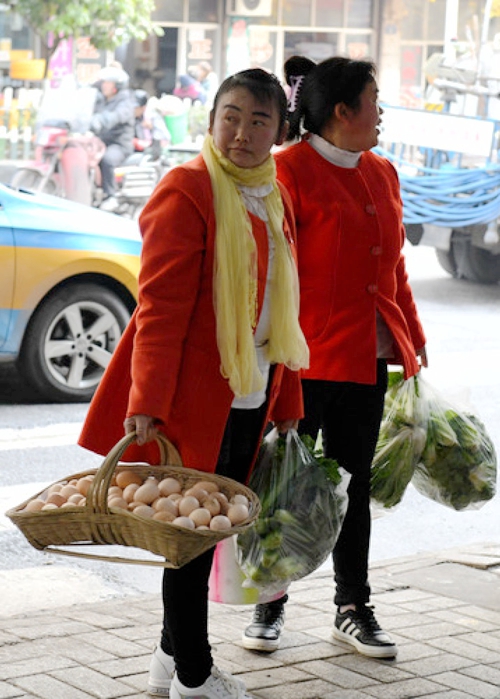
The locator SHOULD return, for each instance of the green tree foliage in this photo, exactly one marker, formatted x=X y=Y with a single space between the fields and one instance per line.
x=108 y=23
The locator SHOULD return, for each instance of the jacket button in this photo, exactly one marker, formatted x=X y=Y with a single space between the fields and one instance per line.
x=372 y=288
x=370 y=209
x=376 y=250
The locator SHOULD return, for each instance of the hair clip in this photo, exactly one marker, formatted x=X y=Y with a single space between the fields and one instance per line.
x=295 y=85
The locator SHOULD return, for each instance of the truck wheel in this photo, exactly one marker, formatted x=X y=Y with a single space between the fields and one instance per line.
x=447 y=261
x=473 y=263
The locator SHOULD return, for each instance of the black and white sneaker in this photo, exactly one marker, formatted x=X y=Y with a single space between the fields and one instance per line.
x=360 y=629
x=265 y=630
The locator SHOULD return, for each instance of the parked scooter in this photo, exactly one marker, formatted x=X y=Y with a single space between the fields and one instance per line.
x=67 y=165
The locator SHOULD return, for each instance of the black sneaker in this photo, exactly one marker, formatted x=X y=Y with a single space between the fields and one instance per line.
x=361 y=630
x=264 y=632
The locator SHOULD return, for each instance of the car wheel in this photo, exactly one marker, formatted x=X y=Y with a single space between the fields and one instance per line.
x=70 y=340
x=31 y=180
x=473 y=263
x=447 y=261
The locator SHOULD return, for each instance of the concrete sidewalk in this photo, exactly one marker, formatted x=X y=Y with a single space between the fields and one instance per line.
x=443 y=610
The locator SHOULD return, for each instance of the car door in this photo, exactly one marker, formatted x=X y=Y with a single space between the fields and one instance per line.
x=7 y=275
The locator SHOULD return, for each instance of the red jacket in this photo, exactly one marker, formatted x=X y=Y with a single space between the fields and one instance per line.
x=167 y=363
x=349 y=237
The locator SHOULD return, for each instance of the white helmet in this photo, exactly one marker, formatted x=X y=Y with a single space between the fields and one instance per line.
x=114 y=75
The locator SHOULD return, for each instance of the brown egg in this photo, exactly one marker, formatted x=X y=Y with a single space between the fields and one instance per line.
x=57 y=499
x=68 y=490
x=169 y=485
x=166 y=505
x=200 y=516
x=34 y=505
x=56 y=488
x=49 y=506
x=144 y=511
x=239 y=499
x=129 y=491
x=163 y=516
x=198 y=493
x=118 y=502
x=224 y=502
x=185 y=522
x=115 y=490
x=148 y=492
x=83 y=484
x=237 y=513
x=220 y=523
x=76 y=499
x=209 y=486
x=187 y=505
x=175 y=497
x=212 y=505
x=124 y=478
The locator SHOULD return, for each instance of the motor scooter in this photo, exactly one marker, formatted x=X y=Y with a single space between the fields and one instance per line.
x=63 y=165
x=66 y=163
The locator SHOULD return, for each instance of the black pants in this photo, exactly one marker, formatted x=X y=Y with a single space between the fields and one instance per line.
x=185 y=590
x=349 y=415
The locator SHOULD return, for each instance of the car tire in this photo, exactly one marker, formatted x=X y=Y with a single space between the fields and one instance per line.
x=70 y=340
x=473 y=263
x=31 y=180
x=447 y=261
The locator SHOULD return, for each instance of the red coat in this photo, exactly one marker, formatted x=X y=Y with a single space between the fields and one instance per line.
x=167 y=363
x=349 y=238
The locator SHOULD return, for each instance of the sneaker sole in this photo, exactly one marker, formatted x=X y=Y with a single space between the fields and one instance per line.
x=262 y=644
x=363 y=648
x=158 y=691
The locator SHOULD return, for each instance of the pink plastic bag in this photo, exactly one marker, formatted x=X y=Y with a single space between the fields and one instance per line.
x=226 y=579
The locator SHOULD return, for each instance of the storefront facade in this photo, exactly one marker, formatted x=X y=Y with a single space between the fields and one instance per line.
x=399 y=35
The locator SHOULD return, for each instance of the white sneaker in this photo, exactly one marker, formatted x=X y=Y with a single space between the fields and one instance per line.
x=109 y=204
x=161 y=672
x=220 y=685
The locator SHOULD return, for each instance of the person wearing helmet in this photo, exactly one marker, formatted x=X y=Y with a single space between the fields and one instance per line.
x=113 y=122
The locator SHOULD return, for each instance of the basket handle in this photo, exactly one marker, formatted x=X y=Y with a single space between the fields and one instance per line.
x=97 y=496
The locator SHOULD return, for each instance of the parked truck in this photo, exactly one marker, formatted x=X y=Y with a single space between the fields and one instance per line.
x=449 y=168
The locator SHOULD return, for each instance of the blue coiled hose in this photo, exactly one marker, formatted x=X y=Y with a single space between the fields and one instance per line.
x=449 y=197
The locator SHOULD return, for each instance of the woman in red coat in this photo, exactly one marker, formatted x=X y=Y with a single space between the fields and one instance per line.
x=212 y=350
x=356 y=308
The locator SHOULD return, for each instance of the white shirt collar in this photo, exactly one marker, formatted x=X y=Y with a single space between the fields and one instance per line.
x=337 y=156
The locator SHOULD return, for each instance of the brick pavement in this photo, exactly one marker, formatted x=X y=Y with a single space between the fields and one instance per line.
x=443 y=610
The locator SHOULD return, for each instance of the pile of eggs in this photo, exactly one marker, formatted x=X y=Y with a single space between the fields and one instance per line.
x=201 y=506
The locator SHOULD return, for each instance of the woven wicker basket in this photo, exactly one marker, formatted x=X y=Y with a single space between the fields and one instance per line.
x=97 y=523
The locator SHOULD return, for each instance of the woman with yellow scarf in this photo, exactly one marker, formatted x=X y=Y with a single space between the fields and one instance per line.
x=212 y=352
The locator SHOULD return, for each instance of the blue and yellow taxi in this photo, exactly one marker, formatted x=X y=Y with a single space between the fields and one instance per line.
x=68 y=286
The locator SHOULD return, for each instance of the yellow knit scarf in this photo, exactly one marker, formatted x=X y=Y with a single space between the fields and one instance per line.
x=235 y=276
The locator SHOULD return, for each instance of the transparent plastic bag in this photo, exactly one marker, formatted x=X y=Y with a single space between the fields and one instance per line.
x=401 y=441
x=225 y=584
x=458 y=465
x=304 y=500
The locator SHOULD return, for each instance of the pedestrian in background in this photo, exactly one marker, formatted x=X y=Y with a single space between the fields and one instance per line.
x=113 y=122
x=357 y=309
x=211 y=353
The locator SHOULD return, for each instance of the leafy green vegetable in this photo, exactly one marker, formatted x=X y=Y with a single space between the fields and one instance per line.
x=302 y=507
x=459 y=473
x=400 y=443
x=446 y=453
